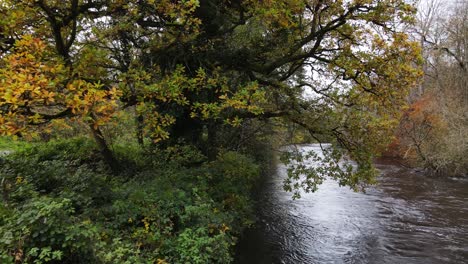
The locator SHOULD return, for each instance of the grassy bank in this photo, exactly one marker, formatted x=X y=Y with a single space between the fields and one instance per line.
x=61 y=205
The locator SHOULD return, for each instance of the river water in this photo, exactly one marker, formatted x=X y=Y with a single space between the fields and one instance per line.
x=408 y=217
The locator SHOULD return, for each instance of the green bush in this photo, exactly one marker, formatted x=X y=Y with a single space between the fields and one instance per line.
x=8 y=144
x=199 y=247
x=62 y=206
x=44 y=230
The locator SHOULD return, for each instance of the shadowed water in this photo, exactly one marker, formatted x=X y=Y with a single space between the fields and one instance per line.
x=407 y=217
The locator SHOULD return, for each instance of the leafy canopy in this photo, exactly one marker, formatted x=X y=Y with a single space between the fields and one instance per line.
x=340 y=69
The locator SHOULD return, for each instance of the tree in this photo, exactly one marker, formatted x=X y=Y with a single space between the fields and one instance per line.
x=340 y=69
x=432 y=131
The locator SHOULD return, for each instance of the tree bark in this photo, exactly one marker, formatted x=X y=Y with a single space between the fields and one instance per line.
x=139 y=129
x=106 y=153
x=211 y=144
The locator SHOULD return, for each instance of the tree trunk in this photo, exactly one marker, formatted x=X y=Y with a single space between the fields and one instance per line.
x=211 y=146
x=188 y=129
x=139 y=129
x=104 y=149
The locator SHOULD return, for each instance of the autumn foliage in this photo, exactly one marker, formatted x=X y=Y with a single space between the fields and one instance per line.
x=183 y=99
x=36 y=87
x=419 y=125
x=432 y=132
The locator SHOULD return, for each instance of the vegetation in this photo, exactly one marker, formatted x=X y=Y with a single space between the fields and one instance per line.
x=432 y=132
x=184 y=101
x=60 y=206
x=193 y=68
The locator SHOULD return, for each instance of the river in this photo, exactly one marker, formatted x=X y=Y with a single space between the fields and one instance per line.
x=408 y=217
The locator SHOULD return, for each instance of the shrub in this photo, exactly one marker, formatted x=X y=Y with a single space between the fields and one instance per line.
x=61 y=206
x=44 y=230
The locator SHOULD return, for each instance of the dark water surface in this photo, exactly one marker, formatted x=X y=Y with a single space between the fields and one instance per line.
x=407 y=218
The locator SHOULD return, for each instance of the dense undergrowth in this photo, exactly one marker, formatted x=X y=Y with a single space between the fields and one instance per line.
x=61 y=205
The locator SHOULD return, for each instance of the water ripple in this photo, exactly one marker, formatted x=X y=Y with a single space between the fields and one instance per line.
x=407 y=218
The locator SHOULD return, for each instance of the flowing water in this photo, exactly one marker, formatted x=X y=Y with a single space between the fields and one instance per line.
x=408 y=217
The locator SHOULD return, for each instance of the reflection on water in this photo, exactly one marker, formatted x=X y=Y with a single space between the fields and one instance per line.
x=406 y=218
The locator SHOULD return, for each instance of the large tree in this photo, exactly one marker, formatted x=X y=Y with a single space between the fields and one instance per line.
x=340 y=69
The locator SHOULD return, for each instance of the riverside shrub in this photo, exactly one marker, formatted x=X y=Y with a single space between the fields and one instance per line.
x=61 y=205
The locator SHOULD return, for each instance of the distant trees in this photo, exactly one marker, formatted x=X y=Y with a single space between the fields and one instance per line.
x=434 y=130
